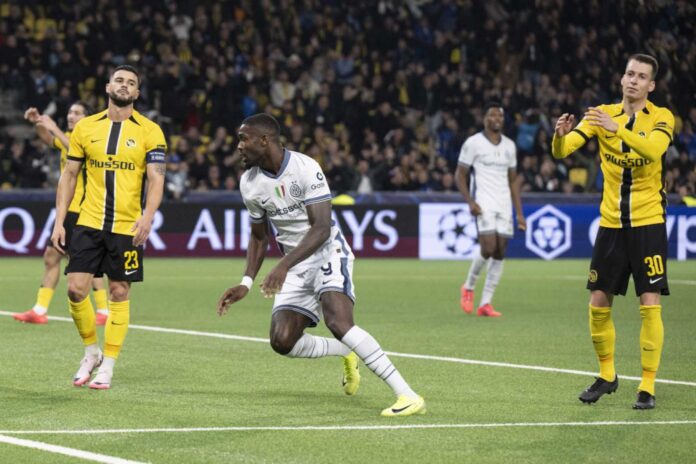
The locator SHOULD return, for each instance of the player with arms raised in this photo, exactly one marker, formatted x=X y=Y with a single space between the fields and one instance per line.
x=314 y=276
x=632 y=240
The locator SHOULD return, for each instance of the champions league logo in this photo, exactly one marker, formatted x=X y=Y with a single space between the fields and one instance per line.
x=457 y=232
x=548 y=232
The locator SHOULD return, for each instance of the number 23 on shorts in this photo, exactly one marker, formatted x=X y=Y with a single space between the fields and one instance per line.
x=131 y=260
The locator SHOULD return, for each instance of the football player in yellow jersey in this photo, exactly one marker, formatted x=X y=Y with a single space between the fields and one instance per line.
x=632 y=240
x=49 y=133
x=119 y=147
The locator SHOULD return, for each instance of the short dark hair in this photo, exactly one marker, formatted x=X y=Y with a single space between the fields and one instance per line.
x=492 y=104
x=265 y=122
x=85 y=106
x=126 y=67
x=647 y=59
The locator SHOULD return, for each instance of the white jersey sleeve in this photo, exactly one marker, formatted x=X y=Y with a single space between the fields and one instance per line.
x=256 y=213
x=467 y=154
x=314 y=184
x=513 y=152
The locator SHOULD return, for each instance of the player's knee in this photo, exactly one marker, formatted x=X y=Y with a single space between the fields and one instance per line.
x=281 y=345
x=76 y=292
x=118 y=292
x=486 y=253
x=51 y=258
x=498 y=255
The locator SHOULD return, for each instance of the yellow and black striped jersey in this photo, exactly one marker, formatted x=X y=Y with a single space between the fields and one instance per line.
x=115 y=155
x=632 y=162
x=80 y=185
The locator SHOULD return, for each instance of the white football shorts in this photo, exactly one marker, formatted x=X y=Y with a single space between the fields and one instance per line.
x=494 y=222
x=329 y=270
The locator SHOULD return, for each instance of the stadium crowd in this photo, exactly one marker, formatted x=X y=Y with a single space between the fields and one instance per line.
x=381 y=93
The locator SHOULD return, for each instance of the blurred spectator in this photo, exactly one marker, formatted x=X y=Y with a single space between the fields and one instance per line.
x=379 y=78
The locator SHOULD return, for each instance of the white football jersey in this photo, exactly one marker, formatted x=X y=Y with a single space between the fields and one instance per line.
x=283 y=198
x=490 y=165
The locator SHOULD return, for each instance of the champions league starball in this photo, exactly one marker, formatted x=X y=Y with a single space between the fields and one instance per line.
x=457 y=231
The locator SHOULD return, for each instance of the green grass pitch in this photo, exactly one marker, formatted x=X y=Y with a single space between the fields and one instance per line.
x=268 y=405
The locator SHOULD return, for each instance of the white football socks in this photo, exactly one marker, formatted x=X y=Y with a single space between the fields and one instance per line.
x=477 y=262
x=40 y=310
x=309 y=346
x=495 y=270
x=367 y=348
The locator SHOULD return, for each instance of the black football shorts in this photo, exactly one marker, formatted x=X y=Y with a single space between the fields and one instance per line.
x=95 y=251
x=637 y=251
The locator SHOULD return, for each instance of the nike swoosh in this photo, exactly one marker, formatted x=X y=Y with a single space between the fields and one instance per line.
x=401 y=409
x=263 y=202
x=95 y=141
x=609 y=136
x=324 y=282
x=115 y=323
x=652 y=281
x=648 y=349
x=130 y=272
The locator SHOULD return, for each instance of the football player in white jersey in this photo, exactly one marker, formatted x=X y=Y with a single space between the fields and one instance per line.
x=314 y=277
x=490 y=159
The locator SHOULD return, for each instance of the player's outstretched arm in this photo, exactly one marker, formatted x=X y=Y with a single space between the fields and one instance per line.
x=46 y=125
x=64 y=195
x=155 y=189
x=461 y=175
x=33 y=116
x=256 y=252
x=319 y=215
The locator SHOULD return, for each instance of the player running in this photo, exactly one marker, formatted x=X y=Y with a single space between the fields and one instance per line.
x=314 y=276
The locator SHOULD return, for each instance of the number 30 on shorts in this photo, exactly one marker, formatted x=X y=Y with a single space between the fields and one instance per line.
x=131 y=258
x=655 y=266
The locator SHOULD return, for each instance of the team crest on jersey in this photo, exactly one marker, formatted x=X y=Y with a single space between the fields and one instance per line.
x=280 y=191
x=295 y=190
x=130 y=143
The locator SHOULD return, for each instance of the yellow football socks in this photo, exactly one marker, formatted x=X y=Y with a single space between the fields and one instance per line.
x=100 y=298
x=83 y=314
x=116 y=327
x=652 y=334
x=44 y=297
x=604 y=338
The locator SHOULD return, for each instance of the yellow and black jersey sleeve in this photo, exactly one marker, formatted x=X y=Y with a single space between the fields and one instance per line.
x=562 y=147
x=155 y=145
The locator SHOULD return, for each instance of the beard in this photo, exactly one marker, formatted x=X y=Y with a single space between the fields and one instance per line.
x=120 y=101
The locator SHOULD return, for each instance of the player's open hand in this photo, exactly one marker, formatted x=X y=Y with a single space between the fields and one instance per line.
x=474 y=208
x=58 y=238
x=142 y=229
x=231 y=295
x=521 y=222
x=274 y=281
x=564 y=124
x=32 y=115
x=596 y=117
